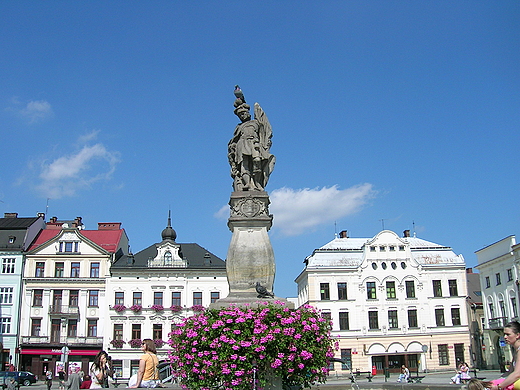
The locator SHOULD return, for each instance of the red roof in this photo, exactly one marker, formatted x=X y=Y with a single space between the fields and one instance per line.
x=106 y=239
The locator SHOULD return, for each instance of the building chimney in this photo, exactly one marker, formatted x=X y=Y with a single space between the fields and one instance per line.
x=343 y=234
x=53 y=219
x=10 y=215
x=109 y=225
x=406 y=233
x=41 y=215
x=469 y=270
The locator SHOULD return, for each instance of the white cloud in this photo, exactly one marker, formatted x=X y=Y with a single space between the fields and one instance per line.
x=36 y=111
x=298 y=211
x=66 y=175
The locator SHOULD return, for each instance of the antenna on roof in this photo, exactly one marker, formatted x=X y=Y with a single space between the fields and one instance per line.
x=47 y=207
x=413 y=228
x=335 y=229
x=383 y=222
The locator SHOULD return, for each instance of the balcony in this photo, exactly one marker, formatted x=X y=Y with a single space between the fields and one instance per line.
x=497 y=323
x=65 y=340
x=64 y=310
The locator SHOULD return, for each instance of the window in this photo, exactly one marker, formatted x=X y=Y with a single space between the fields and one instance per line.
x=455 y=316
x=401 y=247
x=119 y=298
x=40 y=269
x=497 y=276
x=12 y=239
x=73 y=298
x=343 y=320
x=59 y=268
x=509 y=274
x=514 y=307
x=72 y=329
x=392 y=319
x=93 y=298
x=197 y=298
x=8 y=266
x=324 y=291
x=342 y=291
x=215 y=295
x=36 y=325
x=443 y=355
x=176 y=298
x=390 y=290
x=488 y=282
x=491 y=310
x=94 y=270
x=118 y=331
x=74 y=270
x=372 y=249
x=437 y=288
x=391 y=248
x=371 y=290
x=412 y=318
x=382 y=249
x=6 y=294
x=57 y=300
x=136 y=331
x=346 y=357
x=158 y=298
x=137 y=298
x=5 y=325
x=326 y=315
x=157 y=332
x=69 y=246
x=502 y=308
x=37 y=297
x=410 y=289
x=373 y=322
x=55 y=331
x=92 y=328
x=439 y=317
x=117 y=366
x=452 y=287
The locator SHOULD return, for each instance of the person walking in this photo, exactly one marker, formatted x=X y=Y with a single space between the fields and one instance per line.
x=48 y=379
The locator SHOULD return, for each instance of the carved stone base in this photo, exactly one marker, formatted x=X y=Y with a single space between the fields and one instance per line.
x=250 y=257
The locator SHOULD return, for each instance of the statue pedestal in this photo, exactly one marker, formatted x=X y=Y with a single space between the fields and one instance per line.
x=250 y=257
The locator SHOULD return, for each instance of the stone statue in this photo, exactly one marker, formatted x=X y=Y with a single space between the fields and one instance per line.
x=248 y=151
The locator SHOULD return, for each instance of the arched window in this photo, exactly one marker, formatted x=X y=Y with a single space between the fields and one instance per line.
x=168 y=257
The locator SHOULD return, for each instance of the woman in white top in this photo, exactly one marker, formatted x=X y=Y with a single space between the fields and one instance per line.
x=99 y=370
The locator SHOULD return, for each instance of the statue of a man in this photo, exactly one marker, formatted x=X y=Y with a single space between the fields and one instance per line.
x=248 y=151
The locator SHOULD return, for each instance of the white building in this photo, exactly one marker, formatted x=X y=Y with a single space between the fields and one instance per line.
x=499 y=279
x=63 y=300
x=166 y=282
x=392 y=300
x=16 y=234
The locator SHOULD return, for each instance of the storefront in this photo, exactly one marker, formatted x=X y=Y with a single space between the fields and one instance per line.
x=40 y=360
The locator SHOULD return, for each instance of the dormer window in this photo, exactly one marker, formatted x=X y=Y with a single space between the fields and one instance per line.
x=12 y=239
x=69 y=246
x=168 y=258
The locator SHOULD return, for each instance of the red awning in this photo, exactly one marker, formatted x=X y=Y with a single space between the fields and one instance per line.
x=27 y=351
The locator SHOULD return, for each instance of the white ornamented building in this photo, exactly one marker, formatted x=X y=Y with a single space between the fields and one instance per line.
x=154 y=289
x=392 y=301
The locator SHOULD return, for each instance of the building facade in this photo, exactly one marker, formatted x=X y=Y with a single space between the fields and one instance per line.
x=63 y=297
x=392 y=300
x=499 y=278
x=151 y=291
x=16 y=234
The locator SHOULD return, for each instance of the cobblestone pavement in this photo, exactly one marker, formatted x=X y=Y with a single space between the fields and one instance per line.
x=431 y=380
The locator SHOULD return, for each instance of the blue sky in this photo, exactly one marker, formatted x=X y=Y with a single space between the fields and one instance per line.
x=401 y=111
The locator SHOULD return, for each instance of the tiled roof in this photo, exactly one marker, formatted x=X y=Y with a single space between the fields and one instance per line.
x=106 y=239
